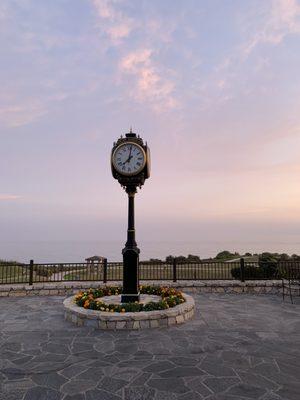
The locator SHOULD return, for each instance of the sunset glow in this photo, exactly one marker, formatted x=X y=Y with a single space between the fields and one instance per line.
x=212 y=86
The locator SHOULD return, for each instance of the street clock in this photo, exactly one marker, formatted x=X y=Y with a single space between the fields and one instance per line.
x=130 y=165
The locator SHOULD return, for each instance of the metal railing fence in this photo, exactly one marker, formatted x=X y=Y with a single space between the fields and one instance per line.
x=13 y=273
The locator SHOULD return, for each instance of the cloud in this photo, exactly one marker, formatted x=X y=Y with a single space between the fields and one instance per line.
x=4 y=197
x=149 y=82
x=17 y=108
x=22 y=114
x=119 y=32
x=236 y=74
x=283 y=20
x=115 y=24
x=133 y=61
x=150 y=85
x=104 y=8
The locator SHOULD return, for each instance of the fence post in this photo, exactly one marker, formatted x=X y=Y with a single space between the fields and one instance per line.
x=105 y=270
x=242 y=267
x=31 y=272
x=174 y=270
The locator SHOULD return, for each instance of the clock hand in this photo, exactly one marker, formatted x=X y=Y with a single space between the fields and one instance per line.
x=129 y=157
x=128 y=160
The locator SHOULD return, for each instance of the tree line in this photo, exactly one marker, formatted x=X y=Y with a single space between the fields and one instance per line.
x=225 y=255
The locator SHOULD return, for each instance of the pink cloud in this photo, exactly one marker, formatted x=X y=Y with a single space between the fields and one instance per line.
x=132 y=62
x=4 y=197
x=16 y=115
x=104 y=8
x=282 y=20
x=150 y=83
x=114 y=22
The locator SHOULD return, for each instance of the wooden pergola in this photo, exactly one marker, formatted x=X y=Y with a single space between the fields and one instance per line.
x=94 y=261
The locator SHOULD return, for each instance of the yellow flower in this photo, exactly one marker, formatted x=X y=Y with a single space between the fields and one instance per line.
x=123 y=310
x=107 y=309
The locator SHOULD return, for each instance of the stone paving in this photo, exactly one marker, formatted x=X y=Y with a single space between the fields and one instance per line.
x=237 y=347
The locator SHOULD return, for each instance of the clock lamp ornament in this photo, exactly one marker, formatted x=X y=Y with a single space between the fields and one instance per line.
x=130 y=165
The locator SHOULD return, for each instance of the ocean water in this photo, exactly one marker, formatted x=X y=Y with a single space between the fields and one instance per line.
x=78 y=251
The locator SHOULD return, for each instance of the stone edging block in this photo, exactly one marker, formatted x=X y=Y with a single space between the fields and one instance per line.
x=69 y=288
x=129 y=320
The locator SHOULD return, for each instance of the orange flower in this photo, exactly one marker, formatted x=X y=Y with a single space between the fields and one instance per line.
x=86 y=304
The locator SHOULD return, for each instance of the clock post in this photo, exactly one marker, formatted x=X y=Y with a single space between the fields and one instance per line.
x=130 y=164
x=130 y=255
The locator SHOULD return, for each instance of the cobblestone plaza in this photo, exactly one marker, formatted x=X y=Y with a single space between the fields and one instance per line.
x=236 y=347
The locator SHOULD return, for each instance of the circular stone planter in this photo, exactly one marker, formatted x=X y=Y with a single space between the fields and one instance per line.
x=129 y=320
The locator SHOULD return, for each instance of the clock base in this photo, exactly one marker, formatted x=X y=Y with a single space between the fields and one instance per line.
x=130 y=275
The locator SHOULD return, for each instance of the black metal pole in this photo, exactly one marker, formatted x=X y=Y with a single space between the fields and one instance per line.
x=131 y=243
x=105 y=270
x=174 y=270
x=242 y=267
x=130 y=256
x=31 y=272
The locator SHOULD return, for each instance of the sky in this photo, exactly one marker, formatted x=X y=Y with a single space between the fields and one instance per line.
x=211 y=85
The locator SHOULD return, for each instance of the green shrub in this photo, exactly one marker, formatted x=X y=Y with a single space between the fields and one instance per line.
x=252 y=272
x=42 y=271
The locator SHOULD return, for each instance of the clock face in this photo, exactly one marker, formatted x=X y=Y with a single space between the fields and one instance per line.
x=129 y=158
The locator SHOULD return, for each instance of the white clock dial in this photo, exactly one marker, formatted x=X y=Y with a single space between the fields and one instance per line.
x=129 y=158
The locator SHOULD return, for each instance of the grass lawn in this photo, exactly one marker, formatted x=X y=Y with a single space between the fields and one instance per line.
x=13 y=273
x=16 y=274
x=159 y=272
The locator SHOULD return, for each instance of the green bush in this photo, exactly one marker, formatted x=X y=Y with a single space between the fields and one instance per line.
x=42 y=271
x=268 y=262
x=252 y=272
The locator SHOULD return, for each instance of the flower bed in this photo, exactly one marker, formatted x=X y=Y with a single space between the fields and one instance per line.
x=89 y=299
